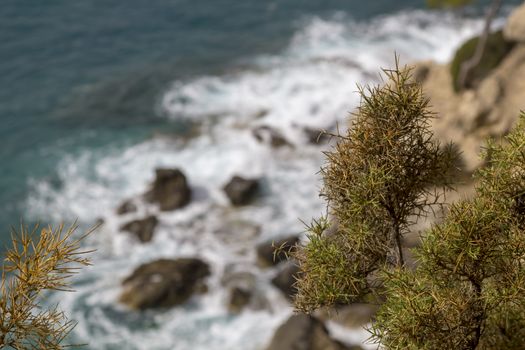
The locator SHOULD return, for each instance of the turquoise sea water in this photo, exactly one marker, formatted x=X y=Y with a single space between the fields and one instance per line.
x=79 y=75
x=95 y=94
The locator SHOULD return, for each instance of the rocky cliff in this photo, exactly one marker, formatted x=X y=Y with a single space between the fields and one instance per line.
x=469 y=117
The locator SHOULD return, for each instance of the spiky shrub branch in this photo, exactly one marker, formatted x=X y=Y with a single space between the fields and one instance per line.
x=380 y=178
x=33 y=264
x=468 y=291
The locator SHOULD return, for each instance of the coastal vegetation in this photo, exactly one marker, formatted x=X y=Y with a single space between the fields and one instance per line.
x=465 y=287
x=380 y=178
x=496 y=49
x=386 y=178
x=38 y=261
x=478 y=52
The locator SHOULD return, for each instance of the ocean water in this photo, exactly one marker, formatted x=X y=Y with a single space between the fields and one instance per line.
x=95 y=95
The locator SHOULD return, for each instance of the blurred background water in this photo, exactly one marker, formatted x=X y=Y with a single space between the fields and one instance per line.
x=96 y=94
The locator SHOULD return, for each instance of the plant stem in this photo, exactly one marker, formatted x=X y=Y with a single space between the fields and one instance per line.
x=400 y=259
x=471 y=63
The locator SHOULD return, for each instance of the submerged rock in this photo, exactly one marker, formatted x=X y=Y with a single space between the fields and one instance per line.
x=143 y=229
x=304 y=332
x=243 y=290
x=239 y=299
x=170 y=189
x=267 y=134
x=316 y=136
x=273 y=252
x=285 y=280
x=241 y=191
x=126 y=207
x=164 y=283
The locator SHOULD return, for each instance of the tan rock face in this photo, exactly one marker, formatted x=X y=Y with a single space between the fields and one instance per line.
x=514 y=29
x=468 y=118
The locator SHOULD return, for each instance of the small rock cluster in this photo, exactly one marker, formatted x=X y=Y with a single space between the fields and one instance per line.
x=166 y=283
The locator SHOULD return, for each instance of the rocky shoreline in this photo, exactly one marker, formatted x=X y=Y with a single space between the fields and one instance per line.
x=166 y=283
x=467 y=119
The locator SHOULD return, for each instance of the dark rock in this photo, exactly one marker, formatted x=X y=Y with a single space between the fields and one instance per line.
x=241 y=191
x=170 y=189
x=164 y=283
x=126 y=207
x=237 y=231
x=420 y=73
x=273 y=252
x=261 y=114
x=239 y=298
x=143 y=228
x=285 y=279
x=99 y=222
x=353 y=316
x=235 y=276
x=269 y=135
x=303 y=332
x=316 y=136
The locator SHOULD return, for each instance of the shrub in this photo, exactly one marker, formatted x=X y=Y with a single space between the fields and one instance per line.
x=32 y=265
x=495 y=50
x=468 y=290
x=381 y=176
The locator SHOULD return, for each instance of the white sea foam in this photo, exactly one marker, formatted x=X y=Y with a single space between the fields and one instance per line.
x=310 y=84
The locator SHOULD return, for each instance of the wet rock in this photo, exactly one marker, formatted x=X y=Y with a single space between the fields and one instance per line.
x=235 y=276
x=269 y=135
x=316 y=136
x=237 y=231
x=514 y=29
x=99 y=222
x=273 y=252
x=261 y=113
x=170 y=189
x=243 y=289
x=126 y=207
x=239 y=299
x=303 y=332
x=350 y=316
x=285 y=280
x=420 y=72
x=143 y=229
x=164 y=283
x=241 y=191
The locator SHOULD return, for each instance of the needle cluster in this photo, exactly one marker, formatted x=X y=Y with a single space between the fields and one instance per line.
x=36 y=263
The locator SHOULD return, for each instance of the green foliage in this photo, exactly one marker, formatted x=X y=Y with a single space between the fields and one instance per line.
x=448 y=3
x=496 y=49
x=33 y=264
x=378 y=180
x=468 y=291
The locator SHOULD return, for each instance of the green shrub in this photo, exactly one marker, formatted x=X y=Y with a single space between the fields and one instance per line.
x=378 y=179
x=496 y=49
x=448 y=3
x=468 y=291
